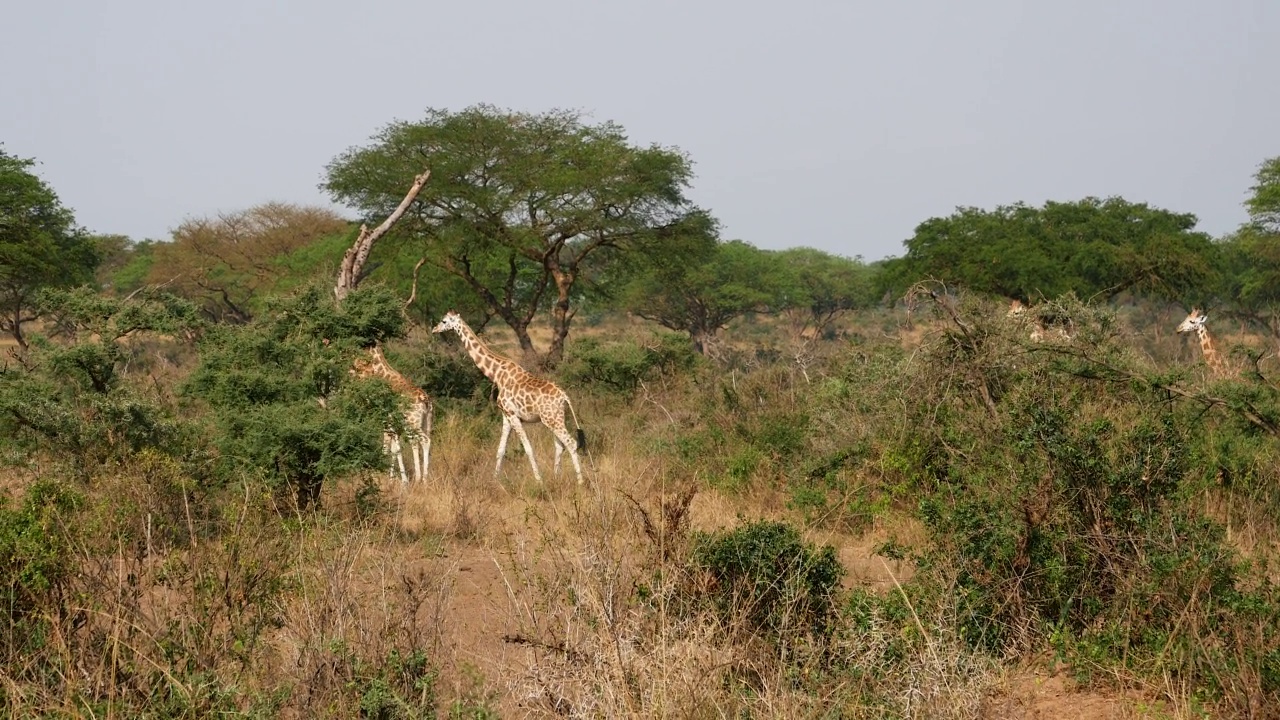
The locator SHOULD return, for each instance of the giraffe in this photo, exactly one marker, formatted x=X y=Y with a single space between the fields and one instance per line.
x=1195 y=323
x=522 y=397
x=1018 y=311
x=1041 y=327
x=417 y=418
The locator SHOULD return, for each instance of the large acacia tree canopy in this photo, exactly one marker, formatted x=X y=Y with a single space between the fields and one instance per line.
x=1096 y=248
x=531 y=182
x=520 y=205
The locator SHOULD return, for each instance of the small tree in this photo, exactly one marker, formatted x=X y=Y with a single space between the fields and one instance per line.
x=821 y=287
x=228 y=263
x=284 y=407
x=40 y=245
x=71 y=398
x=701 y=285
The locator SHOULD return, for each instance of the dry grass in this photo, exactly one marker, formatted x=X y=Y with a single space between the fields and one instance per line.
x=529 y=600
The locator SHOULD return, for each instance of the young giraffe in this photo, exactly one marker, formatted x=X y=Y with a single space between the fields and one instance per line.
x=417 y=418
x=522 y=397
x=1195 y=322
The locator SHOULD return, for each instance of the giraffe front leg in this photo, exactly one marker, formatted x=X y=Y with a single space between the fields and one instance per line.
x=392 y=443
x=502 y=445
x=528 y=449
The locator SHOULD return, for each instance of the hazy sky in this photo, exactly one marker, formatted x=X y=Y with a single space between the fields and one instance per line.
x=839 y=125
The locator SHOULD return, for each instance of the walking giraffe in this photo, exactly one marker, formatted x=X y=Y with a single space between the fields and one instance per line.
x=1195 y=322
x=417 y=417
x=522 y=397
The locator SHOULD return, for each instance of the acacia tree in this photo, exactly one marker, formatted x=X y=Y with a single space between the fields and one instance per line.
x=1251 y=256
x=1264 y=202
x=821 y=287
x=40 y=245
x=705 y=284
x=1092 y=247
x=228 y=262
x=520 y=205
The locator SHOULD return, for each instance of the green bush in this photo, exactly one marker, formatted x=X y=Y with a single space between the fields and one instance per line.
x=35 y=554
x=768 y=582
x=1063 y=486
x=622 y=366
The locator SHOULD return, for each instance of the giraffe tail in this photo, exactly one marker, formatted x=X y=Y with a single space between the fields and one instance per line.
x=581 y=435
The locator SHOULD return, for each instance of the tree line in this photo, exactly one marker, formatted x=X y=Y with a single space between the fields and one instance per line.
x=539 y=217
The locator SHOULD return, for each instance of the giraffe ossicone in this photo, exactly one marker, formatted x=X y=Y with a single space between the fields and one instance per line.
x=417 y=416
x=522 y=397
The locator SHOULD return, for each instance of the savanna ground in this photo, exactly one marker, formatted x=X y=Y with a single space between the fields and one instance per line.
x=1016 y=529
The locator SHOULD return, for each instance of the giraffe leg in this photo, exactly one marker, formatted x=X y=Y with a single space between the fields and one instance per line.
x=415 y=442
x=555 y=468
x=425 y=444
x=565 y=440
x=392 y=442
x=426 y=437
x=528 y=449
x=502 y=445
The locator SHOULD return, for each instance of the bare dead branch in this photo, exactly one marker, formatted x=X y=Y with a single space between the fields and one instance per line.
x=353 y=261
x=413 y=290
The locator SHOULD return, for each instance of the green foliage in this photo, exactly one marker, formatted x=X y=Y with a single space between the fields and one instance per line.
x=1264 y=202
x=35 y=557
x=1092 y=247
x=400 y=687
x=621 y=367
x=228 y=265
x=700 y=287
x=71 y=399
x=520 y=206
x=769 y=582
x=266 y=381
x=823 y=286
x=40 y=245
x=1062 y=486
x=133 y=268
x=1251 y=256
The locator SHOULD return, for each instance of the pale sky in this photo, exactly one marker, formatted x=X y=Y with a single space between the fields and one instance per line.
x=838 y=125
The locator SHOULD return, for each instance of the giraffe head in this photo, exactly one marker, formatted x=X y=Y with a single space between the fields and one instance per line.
x=360 y=367
x=1194 y=322
x=450 y=321
x=1016 y=308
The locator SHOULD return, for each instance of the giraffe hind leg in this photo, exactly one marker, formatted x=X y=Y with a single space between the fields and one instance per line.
x=565 y=441
x=414 y=444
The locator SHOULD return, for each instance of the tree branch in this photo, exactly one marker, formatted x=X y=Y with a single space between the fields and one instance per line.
x=355 y=257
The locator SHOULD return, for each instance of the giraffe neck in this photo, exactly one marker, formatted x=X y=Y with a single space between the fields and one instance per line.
x=487 y=360
x=1211 y=357
x=377 y=366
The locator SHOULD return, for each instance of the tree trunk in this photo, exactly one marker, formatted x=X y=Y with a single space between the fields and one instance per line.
x=560 y=316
